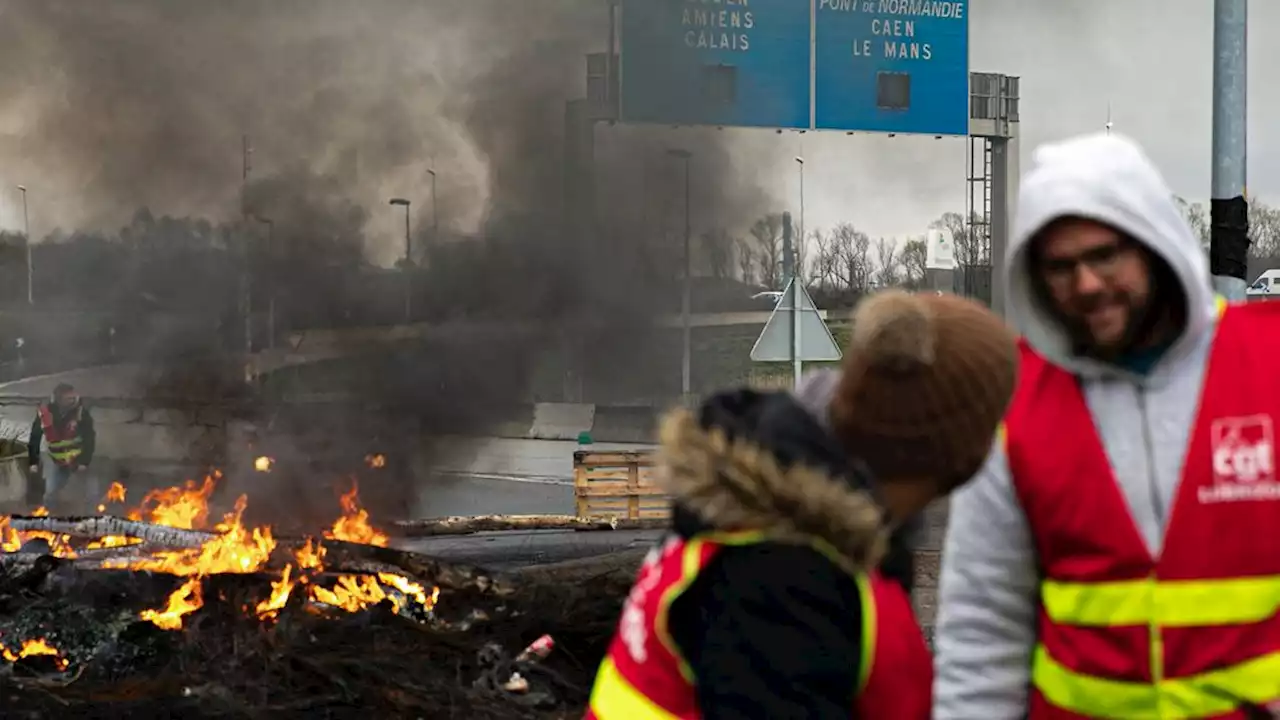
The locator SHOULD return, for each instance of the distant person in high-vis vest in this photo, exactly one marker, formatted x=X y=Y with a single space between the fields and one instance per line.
x=1119 y=555
x=65 y=428
x=764 y=600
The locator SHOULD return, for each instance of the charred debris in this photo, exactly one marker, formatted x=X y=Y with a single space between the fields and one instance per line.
x=163 y=611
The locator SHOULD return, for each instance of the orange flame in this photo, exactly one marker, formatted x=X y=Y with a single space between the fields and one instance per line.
x=33 y=648
x=115 y=494
x=182 y=602
x=235 y=549
x=375 y=461
x=12 y=540
x=263 y=464
x=354 y=525
x=185 y=507
x=280 y=591
x=110 y=541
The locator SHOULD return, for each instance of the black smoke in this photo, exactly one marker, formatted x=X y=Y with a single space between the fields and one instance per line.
x=147 y=103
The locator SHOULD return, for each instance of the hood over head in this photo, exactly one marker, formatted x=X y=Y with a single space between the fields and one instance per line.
x=762 y=461
x=1109 y=179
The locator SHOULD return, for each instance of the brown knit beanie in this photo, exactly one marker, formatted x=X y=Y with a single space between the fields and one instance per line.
x=926 y=381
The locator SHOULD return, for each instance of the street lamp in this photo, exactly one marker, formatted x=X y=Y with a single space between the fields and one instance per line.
x=686 y=289
x=271 y=280
x=796 y=270
x=408 y=261
x=26 y=231
x=435 y=212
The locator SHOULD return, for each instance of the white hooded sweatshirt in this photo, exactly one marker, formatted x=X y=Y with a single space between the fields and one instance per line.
x=989 y=588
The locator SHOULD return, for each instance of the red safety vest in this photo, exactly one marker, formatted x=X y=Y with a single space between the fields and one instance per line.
x=644 y=677
x=63 y=441
x=1194 y=633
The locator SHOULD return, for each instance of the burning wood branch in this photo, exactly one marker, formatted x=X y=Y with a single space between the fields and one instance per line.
x=106 y=526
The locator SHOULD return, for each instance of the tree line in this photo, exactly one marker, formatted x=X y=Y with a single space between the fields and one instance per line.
x=842 y=261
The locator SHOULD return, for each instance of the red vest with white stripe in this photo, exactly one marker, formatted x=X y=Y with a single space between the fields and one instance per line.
x=644 y=677
x=1194 y=633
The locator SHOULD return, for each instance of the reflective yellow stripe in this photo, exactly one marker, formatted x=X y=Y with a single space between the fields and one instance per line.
x=1221 y=303
x=1217 y=692
x=613 y=698
x=1166 y=603
x=868 y=631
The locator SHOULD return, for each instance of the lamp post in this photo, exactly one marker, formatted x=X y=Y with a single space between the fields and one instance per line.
x=26 y=233
x=271 y=289
x=686 y=288
x=435 y=211
x=408 y=262
x=797 y=271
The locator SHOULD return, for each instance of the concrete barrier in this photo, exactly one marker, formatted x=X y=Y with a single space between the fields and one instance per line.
x=626 y=423
x=561 y=421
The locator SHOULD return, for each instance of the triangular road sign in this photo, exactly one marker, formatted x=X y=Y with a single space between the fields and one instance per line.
x=815 y=341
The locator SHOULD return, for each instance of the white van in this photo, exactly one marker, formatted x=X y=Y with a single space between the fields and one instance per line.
x=1266 y=287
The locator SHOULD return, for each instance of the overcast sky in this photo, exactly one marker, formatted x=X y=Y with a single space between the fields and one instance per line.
x=1151 y=60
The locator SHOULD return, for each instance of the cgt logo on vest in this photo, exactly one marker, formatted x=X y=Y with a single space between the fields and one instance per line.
x=1243 y=458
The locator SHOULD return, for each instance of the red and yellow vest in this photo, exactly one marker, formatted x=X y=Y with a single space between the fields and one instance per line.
x=62 y=440
x=644 y=677
x=1194 y=633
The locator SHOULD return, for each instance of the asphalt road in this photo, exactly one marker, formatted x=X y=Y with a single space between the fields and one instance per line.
x=499 y=476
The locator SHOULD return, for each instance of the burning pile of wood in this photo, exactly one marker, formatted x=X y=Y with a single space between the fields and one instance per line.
x=158 y=611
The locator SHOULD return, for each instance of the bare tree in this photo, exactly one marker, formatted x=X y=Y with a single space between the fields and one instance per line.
x=822 y=269
x=1264 y=230
x=888 y=263
x=853 y=253
x=914 y=254
x=746 y=262
x=718 y=247
x=767 y=232
x=1197 y=217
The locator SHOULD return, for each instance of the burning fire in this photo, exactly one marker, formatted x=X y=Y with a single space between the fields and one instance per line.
x=11 y=540
x=33 y=648
x=185 y=507
x=354 y=525
x=239 y=549
x=263 y=464
x=376 y=461
x=115 y=494
x=184 y=601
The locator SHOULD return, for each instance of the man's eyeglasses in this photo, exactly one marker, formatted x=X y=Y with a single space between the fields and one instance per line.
x=1102 y=260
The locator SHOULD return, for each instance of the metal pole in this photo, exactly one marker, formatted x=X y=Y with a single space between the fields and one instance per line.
x=800 y=236
x=435 y=214
x=408 y=269
x=271 y=289
x=789 y=264
x=1229 y=210
x=26 y=225
x=686 y=369
x=246 y=282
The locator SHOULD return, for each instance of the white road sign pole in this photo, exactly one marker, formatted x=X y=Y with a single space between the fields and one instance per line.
x=797 y=364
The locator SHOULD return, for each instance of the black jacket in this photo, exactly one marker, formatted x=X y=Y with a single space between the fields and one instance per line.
x=772 y=630
x=88 y=437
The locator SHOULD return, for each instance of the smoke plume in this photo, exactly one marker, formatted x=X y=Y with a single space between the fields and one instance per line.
x=109 y=107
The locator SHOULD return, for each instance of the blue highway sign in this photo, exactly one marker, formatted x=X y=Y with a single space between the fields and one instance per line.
x=716 y=62
x=892 y=66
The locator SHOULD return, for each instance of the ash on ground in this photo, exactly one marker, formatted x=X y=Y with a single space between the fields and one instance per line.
x=102 y=661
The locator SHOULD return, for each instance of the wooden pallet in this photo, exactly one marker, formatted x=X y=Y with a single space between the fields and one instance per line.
x=617 y=484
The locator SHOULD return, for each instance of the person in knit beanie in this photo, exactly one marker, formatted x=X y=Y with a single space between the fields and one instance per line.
x=765 y=599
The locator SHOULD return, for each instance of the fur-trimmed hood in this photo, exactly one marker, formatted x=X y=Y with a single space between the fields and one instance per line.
x=733 y=481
